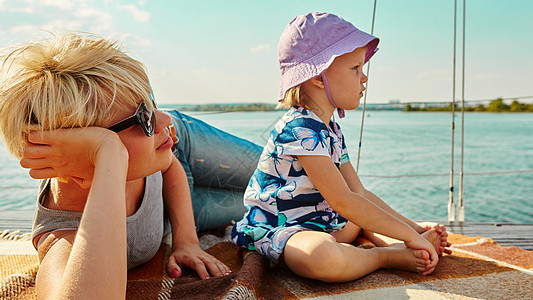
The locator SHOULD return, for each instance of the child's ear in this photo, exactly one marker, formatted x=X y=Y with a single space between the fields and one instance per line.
x=317 y=82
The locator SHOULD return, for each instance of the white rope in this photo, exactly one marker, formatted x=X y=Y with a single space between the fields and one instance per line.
x=366 y=93
x=466 y=174
x=508 y=172
x=451 y=204
x=461 y=209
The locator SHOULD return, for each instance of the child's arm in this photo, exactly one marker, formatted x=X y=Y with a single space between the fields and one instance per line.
x=351 y=178
x=358 y=209
x=185 y=246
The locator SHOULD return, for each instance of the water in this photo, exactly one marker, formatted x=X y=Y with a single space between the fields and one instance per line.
x=405 y=159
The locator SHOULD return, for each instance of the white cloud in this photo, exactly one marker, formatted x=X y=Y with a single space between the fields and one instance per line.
x=23 y=6
x=260 y=48
x=62 y=4
x=61 y=25
x=97 y=21
x=137 y=13
x=26 y=29
x=136 y=43
x=45 y=17
x=56 y=26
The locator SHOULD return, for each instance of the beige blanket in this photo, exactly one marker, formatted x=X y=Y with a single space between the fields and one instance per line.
x=478 y=268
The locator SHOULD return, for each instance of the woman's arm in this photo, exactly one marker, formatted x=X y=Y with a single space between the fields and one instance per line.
x=357 y=208
x=185 y=246
x=91 y=263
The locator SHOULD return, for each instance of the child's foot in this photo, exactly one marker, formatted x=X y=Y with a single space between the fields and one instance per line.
x=434 y=239
x=407 y=259
x=441 y=231
x=439 y=241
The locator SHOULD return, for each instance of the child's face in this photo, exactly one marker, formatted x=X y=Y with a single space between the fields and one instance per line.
x=346 y=78
x=147 y=155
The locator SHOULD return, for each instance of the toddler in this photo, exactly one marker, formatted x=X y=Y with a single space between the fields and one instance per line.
x=305 y=202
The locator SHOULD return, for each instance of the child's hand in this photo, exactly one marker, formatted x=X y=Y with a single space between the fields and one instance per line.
x=194 y=257
x=423 y=244
x=67 y=153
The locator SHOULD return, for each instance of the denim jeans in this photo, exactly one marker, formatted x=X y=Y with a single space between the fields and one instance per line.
x=218 y=166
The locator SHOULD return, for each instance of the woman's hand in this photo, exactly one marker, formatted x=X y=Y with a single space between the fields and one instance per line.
x=67 y=153
x=192 y=256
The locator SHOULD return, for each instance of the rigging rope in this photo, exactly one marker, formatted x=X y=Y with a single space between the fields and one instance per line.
x=461 y=208
x=508 y=172
x=366 y=93
x=467 y=174
x=451 y=204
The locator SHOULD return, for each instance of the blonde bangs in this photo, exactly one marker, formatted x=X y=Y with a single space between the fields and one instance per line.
x=69 y=81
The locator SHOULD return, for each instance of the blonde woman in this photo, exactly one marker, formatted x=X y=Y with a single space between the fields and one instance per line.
x=80 y=114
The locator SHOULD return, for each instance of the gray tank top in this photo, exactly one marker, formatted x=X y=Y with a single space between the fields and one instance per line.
x=145 y=228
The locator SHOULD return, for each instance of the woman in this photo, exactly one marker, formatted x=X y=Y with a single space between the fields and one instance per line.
x=80 y=114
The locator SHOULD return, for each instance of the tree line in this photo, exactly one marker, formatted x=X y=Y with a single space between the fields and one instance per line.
x=497 y=105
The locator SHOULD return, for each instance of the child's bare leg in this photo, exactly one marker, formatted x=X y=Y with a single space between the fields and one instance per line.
x=317 y=255
x=439 y=241
x=348 y=234
x=382 y=240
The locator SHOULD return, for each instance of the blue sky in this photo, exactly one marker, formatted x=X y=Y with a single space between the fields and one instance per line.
x=201 y=51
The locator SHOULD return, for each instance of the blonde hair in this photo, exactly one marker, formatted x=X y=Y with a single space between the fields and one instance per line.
x=70 y=80
x=293 y=96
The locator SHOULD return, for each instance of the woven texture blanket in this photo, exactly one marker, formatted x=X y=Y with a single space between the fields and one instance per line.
x=478 y=269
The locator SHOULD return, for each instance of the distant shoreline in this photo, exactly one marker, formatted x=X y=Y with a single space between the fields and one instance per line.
x=495 y=106
x=227 y=107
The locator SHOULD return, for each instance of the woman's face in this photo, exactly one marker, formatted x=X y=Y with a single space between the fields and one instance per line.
x=147 y=155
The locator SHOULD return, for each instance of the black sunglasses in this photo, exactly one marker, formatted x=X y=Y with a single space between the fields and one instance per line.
x=142 y=116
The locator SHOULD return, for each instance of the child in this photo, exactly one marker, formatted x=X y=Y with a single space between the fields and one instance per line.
x=305 y=201
x=79 y=113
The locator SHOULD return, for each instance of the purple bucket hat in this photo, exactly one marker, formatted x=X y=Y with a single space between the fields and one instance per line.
x=311 y=42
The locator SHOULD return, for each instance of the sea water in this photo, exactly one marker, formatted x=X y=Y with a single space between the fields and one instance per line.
x=405 y=158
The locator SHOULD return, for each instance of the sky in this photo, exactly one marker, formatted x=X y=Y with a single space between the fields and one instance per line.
x=210 y=51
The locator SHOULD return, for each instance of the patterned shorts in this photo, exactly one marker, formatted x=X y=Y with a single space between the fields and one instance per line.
x=272 y=244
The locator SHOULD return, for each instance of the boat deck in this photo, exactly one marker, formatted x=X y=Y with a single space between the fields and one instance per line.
x=16 y=220
x=505 y=234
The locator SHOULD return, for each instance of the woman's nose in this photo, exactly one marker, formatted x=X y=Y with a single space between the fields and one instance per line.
x=364 y=79
x=163 y=120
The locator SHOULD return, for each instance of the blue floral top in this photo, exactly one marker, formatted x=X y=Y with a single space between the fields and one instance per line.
x=279 y=194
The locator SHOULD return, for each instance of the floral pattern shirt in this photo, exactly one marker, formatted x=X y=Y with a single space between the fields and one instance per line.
x=280 y=194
